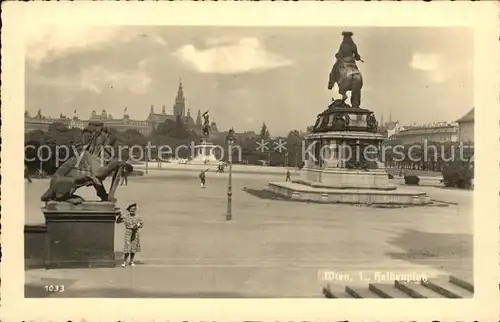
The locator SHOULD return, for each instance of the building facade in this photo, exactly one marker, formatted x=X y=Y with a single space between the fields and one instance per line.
x=466 y=128
x=431 y=133
x=145 y=127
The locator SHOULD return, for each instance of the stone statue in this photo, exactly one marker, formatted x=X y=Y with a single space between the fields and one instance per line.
x=345 y=72
x=371 y=122
x=340 y=122
x=86 y=168
x=206 y=124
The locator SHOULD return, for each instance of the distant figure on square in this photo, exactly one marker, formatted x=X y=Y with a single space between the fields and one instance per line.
x=26 y=174
x=124 y=176
x=288 y=178
x=132 y=243
x=202 y=178
x=220 y=167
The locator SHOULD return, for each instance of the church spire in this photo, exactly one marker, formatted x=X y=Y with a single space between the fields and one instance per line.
x=390 y=116
x=180 y=105
x=382 y=118
x=163 y=110
x=180 y=92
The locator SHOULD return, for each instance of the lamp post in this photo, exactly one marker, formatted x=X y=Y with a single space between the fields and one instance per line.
x=230 y=141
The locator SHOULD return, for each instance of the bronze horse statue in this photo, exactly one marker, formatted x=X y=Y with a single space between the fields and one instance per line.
x=88 y=167
x=206 y=124
x=345 y=72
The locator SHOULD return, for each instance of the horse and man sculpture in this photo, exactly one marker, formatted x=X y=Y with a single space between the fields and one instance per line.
x=206 y=124
x=92 y=163
x=345 y=72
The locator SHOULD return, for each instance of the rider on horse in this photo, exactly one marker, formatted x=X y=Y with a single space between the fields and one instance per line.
x=345 y=72
x=206 y=124
x=346 y=56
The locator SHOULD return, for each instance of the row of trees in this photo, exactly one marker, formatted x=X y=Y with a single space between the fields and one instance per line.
x=175 y=134
x=171 y=133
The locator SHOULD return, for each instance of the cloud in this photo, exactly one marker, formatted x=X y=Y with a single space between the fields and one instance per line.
x=48 y=43
x=230 y=56
x=430 y=64
x=97 y=78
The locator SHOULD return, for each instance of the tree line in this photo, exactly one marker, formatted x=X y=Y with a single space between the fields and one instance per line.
x=176 y=133
x=171 y=133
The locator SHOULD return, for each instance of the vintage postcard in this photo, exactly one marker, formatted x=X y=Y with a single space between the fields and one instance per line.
x=199 y=160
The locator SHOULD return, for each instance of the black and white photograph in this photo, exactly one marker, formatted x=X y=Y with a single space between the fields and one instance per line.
x=235 y=161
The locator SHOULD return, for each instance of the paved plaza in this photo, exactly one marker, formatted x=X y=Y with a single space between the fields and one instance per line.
x=272 y=248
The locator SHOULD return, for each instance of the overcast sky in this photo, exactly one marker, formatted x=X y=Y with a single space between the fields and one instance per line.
x=246 y=76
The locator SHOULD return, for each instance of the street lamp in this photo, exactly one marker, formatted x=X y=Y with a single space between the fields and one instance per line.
x=230 y=141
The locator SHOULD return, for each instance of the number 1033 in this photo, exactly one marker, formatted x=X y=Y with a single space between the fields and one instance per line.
x=54 y=288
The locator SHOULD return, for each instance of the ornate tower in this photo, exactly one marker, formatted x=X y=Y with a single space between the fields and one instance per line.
x=163 y=110
x=151 y=110
x=180 y=102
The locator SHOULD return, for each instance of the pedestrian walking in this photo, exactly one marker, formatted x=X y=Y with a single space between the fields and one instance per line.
x=202 y=178
x=220 y=167
x=132 y=244
x=288 y=178
x=26 y=174
x=124 y=176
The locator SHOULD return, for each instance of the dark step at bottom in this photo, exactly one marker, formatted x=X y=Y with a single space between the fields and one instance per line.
x=360 y=293
x=416 y=290
x=462 y=282
x=444 y=287
x=387 y=291
x=335 y=292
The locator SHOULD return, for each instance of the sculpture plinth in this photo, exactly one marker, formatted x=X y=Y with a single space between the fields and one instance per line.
x=204 y=153
x=343 y=163
x=345 y=159
x=80 y=236
x=341 y=117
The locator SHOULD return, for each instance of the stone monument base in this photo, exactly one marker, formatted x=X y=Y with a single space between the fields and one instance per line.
x=204 y=153
x=35 y=245
x=341 y=178
x=80 y=236
x=310 y=191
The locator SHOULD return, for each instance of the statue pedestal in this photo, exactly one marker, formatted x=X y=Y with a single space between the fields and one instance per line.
x=347 y=178
x=80 y=236
x=35 y=245
x=334 y=173
x=204 y=153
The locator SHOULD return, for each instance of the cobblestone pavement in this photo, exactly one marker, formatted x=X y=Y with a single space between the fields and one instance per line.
x=272 y=248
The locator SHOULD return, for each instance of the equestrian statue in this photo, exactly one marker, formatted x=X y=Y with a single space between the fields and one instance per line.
x=92 y=163
x=206 y=124
x=345 y=72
